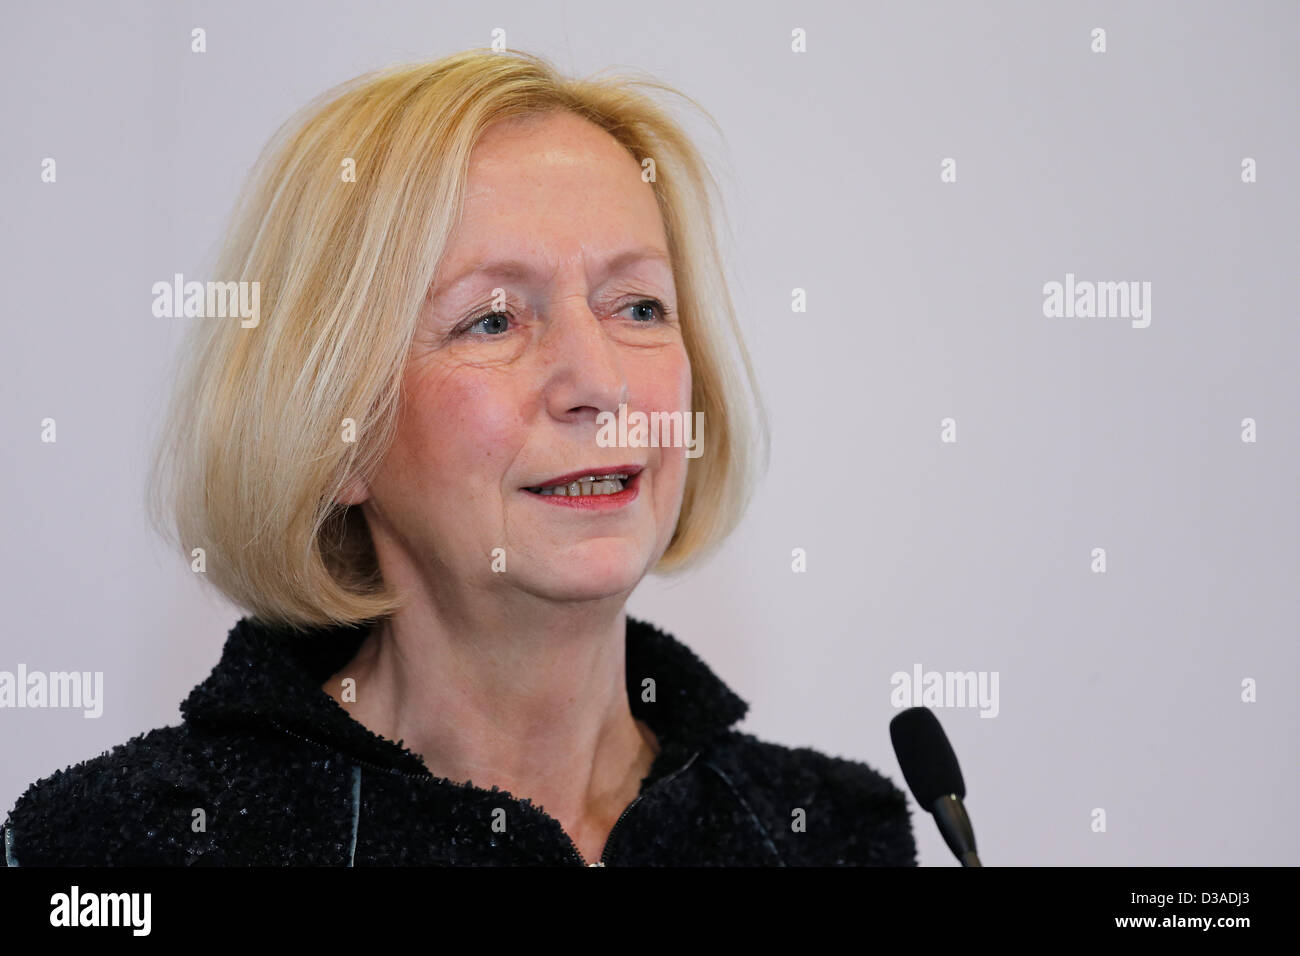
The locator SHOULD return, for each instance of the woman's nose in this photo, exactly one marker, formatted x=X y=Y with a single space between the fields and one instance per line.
x=583 y=362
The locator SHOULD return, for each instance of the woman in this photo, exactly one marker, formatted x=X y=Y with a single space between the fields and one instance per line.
x=464 y=269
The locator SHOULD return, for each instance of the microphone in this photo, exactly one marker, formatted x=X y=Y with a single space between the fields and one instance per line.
x=930 y=769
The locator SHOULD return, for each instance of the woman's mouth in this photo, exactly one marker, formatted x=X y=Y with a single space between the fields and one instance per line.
x=607 y=484
x=600 y=490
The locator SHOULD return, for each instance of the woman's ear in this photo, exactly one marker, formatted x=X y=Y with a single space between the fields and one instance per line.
x=354 y=492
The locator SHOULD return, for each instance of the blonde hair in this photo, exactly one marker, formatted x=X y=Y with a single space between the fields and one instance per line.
x=251 y=460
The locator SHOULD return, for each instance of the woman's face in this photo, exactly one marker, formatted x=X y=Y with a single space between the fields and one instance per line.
x=536 y=322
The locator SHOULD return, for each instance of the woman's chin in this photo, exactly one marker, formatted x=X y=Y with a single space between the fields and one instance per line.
x=574 y=578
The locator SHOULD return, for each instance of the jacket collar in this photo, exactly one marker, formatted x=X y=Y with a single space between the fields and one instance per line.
x=271 y=676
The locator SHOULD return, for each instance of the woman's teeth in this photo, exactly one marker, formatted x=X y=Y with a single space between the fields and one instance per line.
x=607 y=486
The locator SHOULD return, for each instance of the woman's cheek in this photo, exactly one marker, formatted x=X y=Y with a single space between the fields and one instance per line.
x=677 y=395
x=474 y=413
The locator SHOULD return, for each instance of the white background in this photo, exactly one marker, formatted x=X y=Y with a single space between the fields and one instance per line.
x=1118 y=691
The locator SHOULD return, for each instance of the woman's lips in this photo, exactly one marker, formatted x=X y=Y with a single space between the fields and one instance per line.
x=620 y=499
x=629 y=470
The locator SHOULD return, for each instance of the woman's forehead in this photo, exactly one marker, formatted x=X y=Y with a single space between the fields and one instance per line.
x=555 y=190
x=558 y=150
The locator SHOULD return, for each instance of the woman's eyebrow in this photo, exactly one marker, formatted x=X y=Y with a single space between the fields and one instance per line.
x=518 y=270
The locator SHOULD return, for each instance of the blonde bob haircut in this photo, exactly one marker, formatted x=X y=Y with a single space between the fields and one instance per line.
x=253 y=450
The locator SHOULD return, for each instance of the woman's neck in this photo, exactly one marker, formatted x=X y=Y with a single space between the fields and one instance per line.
x=537 y=708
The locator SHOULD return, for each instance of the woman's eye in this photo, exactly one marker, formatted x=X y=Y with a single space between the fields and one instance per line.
x=494 y=323
x=647 y=310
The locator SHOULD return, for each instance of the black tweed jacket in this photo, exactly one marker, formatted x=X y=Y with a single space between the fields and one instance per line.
x=267 y=769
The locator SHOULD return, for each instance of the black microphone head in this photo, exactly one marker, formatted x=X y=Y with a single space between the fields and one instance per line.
x=929 y=766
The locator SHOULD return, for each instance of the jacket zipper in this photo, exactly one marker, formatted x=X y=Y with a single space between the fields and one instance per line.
x=609 y=840
x=573 y=847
